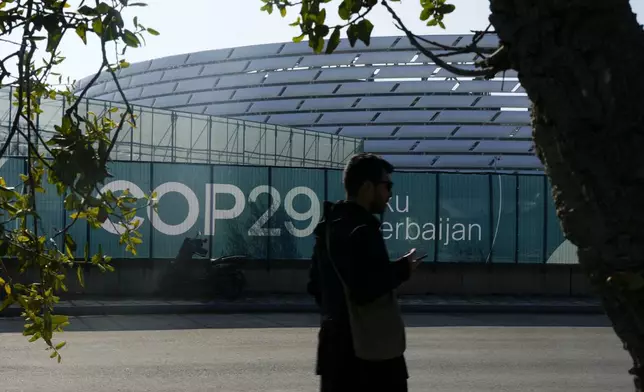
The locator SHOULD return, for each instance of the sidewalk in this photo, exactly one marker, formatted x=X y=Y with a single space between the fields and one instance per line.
x=303 y=304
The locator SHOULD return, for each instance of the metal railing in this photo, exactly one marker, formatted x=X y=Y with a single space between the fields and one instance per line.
x=172 y=136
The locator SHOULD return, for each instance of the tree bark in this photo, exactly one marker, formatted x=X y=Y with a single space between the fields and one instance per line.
x=582 y=65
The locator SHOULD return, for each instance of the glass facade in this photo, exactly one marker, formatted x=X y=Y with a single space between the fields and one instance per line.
x=177 y=137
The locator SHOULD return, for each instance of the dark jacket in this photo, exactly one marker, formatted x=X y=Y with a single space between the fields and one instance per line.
x=360 y=254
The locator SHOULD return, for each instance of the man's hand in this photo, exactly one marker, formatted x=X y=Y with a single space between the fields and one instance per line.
x=413 y=261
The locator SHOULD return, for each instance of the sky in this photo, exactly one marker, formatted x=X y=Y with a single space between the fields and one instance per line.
x=196 y=25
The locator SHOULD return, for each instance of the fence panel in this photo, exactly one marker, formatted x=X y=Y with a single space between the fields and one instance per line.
x=49 y=209
x=504 y=218
x=334 y=185
x=410 y=219
x=238 y=203
x=557 y=249
x=531 y=205
x=181 y=193
x=127 y=175
x=296 y=213
x=269 y=213
x=463 y=226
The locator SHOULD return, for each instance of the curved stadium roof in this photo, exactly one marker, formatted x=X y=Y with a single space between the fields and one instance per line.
x=406 y=108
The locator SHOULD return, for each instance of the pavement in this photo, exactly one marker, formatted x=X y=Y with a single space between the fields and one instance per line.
x=304 y=304
x=276 y=353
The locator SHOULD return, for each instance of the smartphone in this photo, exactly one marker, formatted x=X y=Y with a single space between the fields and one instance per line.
x=421 y=257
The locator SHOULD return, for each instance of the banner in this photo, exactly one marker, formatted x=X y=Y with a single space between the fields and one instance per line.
x=270 y=213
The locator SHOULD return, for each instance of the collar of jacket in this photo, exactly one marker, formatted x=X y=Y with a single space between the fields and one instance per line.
x=346 y=209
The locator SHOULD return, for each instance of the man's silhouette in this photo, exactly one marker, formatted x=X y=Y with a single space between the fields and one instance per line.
x=359 y=255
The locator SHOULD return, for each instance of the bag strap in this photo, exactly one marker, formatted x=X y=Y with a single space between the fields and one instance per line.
x=328 y=253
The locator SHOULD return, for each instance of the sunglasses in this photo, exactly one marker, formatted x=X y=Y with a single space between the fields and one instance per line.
x=388 y=184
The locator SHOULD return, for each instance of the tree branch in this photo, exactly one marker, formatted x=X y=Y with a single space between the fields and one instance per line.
x=487 y=71
x=21 y=54
x=5 y=72
x=471 y=48
x=84 y=92
x=128 y=110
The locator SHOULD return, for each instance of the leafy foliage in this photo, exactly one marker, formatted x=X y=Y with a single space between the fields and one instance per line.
x=74 y=160
x=312 y=19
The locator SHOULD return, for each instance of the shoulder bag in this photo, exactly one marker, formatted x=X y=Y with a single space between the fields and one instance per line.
x=377 y=328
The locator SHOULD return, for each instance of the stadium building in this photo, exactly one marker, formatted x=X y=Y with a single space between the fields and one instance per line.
x=406 y=108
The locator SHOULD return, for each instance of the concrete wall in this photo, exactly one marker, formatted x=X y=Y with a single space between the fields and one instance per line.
x=141 y=278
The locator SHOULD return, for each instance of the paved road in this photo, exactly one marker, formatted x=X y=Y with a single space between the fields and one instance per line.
x=455 y=353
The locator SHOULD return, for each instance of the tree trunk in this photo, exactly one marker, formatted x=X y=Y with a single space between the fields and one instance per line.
x=581 y=63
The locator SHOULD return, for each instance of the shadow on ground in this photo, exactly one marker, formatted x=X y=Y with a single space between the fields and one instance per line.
x=256 y=321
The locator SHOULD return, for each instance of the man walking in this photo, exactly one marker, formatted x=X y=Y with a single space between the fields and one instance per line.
x=362 y=338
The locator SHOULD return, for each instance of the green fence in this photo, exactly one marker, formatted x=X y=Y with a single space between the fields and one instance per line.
x=270 y=212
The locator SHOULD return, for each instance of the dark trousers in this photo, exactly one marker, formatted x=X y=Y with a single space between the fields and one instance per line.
x=341 y=371
x=357 y=383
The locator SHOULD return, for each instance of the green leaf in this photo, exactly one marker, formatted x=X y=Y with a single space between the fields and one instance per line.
x=97 y=26
x=283 y=11
x=299 y=38
x=152 y=31
x=365 y=27
x=59 y=319
x=268 y=8
x=352 y=34
x=62 y=344
x=79 y=275
x=344 y=11
x=86 y=10
x=425 y=14
x=322 y=30
x=316 y=43
x=81 y=30
x=54 y=39
x=321 y=18
x=103 y=8
x=6 y=303
x=447 y=9
x=78 y=215
x=70 y=245
x=334 y=41
x=131 y=39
